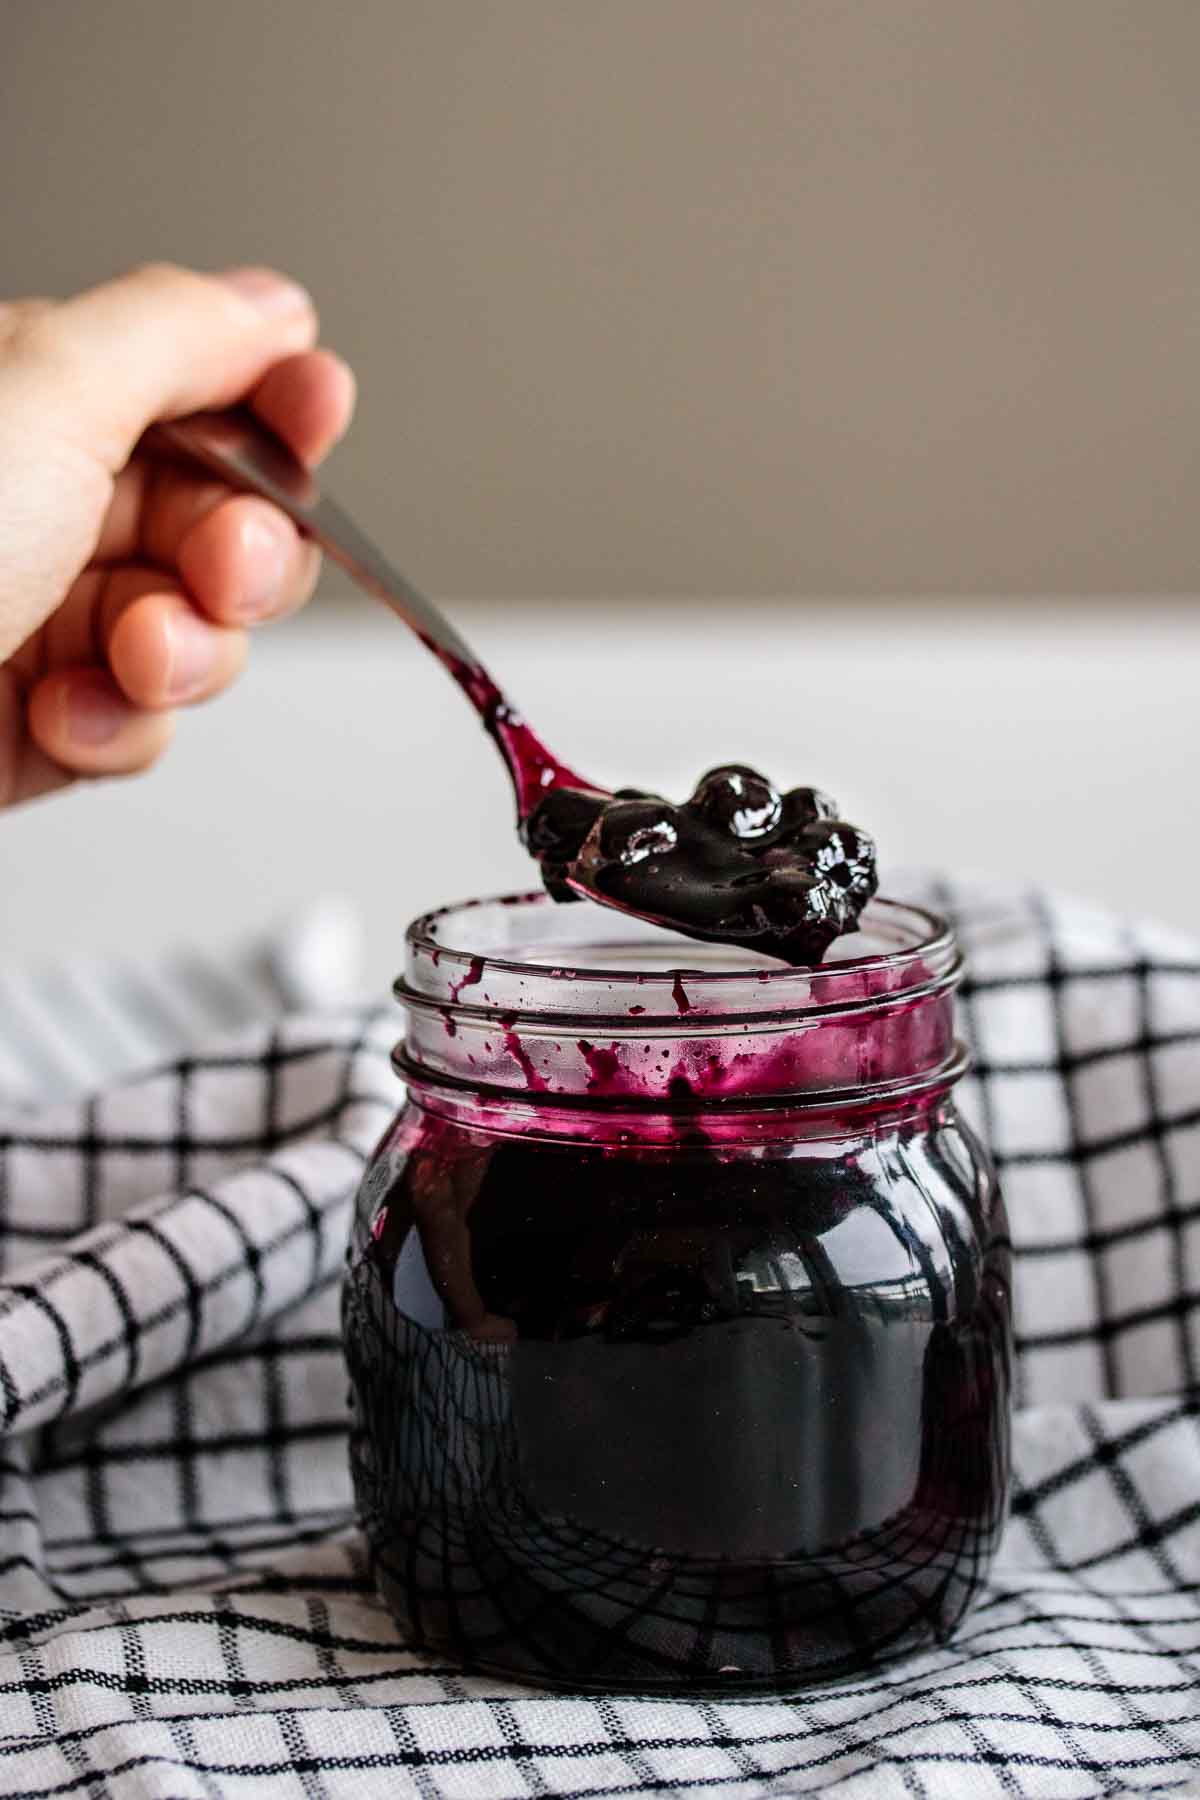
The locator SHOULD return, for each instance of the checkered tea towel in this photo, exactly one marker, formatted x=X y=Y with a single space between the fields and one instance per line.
x=183 y=1606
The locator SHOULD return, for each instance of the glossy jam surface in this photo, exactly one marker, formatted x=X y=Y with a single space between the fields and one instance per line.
x=737 y=863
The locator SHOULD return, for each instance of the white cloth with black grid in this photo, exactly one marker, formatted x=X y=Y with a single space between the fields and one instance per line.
x=183 y=1605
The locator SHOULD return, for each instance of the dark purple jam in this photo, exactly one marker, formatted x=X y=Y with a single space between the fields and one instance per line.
x=677 y=1313
x=737 y=863
x=641 y=1418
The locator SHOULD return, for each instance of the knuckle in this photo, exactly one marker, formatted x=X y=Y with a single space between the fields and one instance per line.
x=45 y=354
x=17 y=315
x=158 y=275
x=167 y=284
x=36 y=334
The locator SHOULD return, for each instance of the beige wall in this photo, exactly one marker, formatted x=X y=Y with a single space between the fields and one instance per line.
x=673 y=296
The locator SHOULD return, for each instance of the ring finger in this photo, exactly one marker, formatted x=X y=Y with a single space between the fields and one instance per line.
x=162 y=651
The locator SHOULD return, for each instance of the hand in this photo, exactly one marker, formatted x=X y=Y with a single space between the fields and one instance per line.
x=126 y=582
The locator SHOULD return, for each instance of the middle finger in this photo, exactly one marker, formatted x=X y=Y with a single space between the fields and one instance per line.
x=241 y=558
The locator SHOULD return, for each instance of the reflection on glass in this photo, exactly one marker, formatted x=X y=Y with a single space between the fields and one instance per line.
x=643 y=1420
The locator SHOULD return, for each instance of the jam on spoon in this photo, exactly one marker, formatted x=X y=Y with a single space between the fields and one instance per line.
x=738 y=863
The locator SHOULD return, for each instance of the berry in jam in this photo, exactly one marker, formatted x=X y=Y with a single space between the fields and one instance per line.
x=737 y=863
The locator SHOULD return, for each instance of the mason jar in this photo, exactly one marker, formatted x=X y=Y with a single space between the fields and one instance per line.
x=677 y=1311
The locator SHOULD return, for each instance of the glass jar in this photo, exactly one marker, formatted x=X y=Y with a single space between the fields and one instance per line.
x=677 y=1313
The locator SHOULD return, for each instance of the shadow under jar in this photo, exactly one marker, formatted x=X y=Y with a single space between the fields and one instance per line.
x=677 y=1313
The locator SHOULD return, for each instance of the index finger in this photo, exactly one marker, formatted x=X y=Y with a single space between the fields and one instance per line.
x=306 y=399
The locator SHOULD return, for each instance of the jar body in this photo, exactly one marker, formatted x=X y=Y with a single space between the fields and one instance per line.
x=675 y=1415
x=677 y=1312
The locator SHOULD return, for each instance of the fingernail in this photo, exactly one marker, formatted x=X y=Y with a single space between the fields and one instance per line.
x=266 y=540
x=350 y=384
x=190 y=654
x=275 y=296
x=93 y=714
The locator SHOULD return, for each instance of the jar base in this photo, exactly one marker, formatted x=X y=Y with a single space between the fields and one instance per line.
x=735 y=1683
x=541 y=1604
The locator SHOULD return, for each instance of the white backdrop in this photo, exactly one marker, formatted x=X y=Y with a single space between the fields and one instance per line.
x=1053 y=741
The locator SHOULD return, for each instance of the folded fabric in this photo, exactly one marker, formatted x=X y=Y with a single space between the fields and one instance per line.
x=184 y=1608
x=78 y=1023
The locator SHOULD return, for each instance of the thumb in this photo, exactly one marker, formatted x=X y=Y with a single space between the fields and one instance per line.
x=152 y=344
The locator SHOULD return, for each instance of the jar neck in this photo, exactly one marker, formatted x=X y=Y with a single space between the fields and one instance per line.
x=560 y=1022
x=705 y=1128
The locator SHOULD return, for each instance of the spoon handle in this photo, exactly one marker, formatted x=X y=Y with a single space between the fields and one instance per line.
x=242 y=452
x=252 y=459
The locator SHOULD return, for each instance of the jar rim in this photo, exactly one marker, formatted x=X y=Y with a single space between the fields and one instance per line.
x=479 y=1016
x=421 y=937
x=463 y=983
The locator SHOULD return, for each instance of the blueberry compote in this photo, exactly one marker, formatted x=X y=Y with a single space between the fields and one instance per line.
x=738 y=863
x=677 y=1313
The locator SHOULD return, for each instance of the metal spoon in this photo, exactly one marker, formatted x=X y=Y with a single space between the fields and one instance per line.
x=245 y=455
x=236 y=447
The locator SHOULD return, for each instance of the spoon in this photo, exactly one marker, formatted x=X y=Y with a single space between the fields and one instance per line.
x=739 y=863
x=250 y=458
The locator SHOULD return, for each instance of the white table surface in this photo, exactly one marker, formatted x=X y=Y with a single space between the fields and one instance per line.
x=1054 y=741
